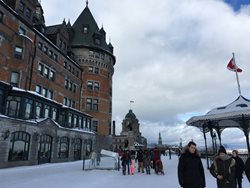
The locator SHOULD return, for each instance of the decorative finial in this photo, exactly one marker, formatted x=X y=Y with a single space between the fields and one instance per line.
x=87 y=3
x=109 y=39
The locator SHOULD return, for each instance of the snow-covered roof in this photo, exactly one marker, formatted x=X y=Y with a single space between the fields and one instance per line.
x=239 y=107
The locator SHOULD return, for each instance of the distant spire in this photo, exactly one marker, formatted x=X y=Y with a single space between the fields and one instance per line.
x=87 y=3
x=109 y=39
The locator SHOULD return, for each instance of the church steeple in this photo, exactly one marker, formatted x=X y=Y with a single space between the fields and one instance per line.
x=160 y=140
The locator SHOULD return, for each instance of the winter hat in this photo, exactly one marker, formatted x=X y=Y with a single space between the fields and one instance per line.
x=222 y=150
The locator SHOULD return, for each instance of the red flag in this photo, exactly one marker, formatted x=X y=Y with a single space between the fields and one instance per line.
x=232 y=66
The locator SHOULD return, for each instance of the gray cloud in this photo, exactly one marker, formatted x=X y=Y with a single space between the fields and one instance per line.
x=171 y=58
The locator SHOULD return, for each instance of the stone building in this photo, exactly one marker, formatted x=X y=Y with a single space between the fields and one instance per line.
x=55 y=86
x=130 y=136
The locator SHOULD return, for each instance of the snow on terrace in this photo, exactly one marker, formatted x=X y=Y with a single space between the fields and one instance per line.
x=70 y=175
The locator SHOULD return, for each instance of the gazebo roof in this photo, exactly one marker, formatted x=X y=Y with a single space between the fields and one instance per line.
x=239 y=107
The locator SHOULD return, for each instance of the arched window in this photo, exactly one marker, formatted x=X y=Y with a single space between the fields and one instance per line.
x=77 y=148
x=45 y=147
x=19 y=146
x=63 y=148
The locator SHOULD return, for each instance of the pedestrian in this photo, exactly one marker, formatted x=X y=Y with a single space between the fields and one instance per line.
x=239 y=169
x=223 y=169
x=247 y=168
x=147 y=161
x=126 y=161
x=169 y=151
x=132 y=164
x=156 y=157
x=139 y=158
x=190 y=168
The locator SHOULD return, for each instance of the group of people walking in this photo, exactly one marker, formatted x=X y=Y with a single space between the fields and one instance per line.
x=145 y=159
x=227 y=170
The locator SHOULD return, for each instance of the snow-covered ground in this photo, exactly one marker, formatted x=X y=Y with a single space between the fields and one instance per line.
x=71 y=175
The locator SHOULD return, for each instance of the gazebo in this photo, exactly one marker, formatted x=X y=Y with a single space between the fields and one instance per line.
x=233 y=115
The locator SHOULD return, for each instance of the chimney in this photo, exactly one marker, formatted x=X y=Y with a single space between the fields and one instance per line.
x=113 y=128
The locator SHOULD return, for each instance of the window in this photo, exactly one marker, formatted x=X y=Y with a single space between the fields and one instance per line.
x=52 y=75
x=65 y=101
x=46 y=111
x=65 y=64
x=14 y=80
x=97 y=55
x=97 y=41
x=50 y=53
x=38 y=110
x=54 y=114
x=91 y=54
x=55 y=57
x=63 y=148
x=21 y=6
x=80 y=122
x=40 y=45
x=38 y=89
x=96 y=86
x=69 y=102
x=13 y=106
x=45 y=49
x=69 y=119
x=91 y=69
x=90 y=85
x=85 y=29
x=74 y=88
x=1 y=16
x=96 y=70
x=95 y=104
x=95 y=126
x=66 y=83
x=88 y=104
x=46 y=72
x=70 y=86
x=18 y=52
x=73 y=104
x=19 y=146
x=22 y=31
x=44 y=92
x=50 y=94
x=28 y=13
x=28 y=108
x=40 y=68
x=75 y=121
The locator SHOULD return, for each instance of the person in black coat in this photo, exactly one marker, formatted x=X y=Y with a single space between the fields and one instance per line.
x=247 y=168
x=190 y=168
x=239 y=169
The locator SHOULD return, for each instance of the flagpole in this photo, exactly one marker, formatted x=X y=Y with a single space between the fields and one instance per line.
x=237 y=77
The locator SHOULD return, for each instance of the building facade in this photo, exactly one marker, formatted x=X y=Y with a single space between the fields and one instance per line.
x=49 y=111
x=130 y=137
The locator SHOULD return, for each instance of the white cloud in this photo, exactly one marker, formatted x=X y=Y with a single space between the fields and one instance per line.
x=171 y=57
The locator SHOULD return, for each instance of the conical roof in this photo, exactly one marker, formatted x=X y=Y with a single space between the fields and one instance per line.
x=87 y=33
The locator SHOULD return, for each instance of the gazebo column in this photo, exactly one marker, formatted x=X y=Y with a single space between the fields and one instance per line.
x=219 y=134
x=245 y=127
x=246 y=133
x=205 y=138
x=212 y=136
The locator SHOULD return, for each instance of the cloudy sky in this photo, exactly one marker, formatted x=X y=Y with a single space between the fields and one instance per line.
x=171 y=59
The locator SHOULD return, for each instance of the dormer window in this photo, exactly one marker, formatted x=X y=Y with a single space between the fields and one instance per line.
x=85 y=29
